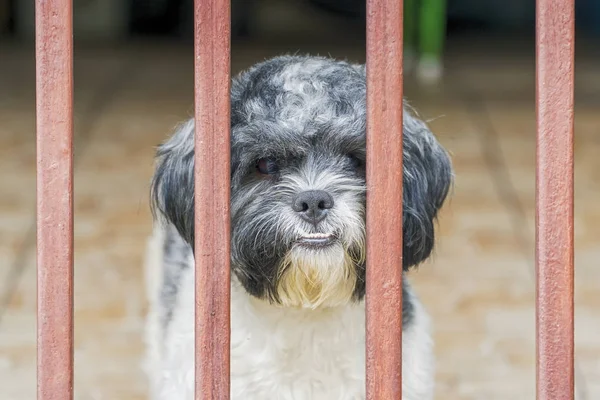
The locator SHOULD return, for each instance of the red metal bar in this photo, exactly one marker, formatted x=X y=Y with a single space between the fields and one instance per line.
x=384 y=199
x=54 y=101
x=555 y=44
x=212 y=161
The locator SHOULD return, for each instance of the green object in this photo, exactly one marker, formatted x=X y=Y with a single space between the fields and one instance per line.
x=432 y=27
x=425 y=27
x=410 y=27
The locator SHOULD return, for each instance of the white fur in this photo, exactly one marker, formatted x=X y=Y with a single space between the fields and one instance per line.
x=153 y=334
x=278 y=353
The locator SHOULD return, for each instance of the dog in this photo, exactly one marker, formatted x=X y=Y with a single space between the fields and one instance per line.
x=298 y=144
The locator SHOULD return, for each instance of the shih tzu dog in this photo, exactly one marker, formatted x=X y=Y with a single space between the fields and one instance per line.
x=297 y=239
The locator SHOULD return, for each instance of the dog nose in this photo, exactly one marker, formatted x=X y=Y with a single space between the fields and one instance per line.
x=312 y=205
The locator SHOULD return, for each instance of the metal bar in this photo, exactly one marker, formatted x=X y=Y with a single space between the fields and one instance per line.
x=384 y=199
x=212 y=181
x=555 y=50
x=54 y=130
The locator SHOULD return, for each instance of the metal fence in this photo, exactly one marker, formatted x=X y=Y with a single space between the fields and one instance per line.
x=554 y=233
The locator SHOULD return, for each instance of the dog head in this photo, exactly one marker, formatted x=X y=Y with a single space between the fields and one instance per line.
x=298 y=146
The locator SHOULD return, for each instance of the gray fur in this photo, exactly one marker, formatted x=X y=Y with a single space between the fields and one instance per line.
x=175 y=260
x=308 y=116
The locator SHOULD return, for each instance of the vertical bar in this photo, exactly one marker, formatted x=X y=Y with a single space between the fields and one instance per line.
x=54 y=130
x=384 y=199
x=555 y=52
x=212 y=181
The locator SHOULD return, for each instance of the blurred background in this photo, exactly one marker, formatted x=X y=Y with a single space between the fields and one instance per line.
x=469 y=71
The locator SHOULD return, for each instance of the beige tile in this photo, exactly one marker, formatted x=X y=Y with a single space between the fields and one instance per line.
x=515 y=127
x=477 y=279
x=112 y=222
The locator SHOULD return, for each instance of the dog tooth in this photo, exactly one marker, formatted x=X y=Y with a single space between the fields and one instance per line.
x=318 y=235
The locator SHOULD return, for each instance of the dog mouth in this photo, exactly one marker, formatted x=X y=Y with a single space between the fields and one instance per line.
x=316 y=240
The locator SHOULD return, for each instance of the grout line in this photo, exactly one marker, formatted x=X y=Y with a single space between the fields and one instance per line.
x=95 y=111
x=497 y=167
x=17 y=268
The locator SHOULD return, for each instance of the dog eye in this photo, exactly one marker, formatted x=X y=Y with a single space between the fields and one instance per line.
x=267 y=166
x=355 y=161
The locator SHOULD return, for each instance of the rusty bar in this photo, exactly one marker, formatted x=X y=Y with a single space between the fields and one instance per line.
x=384 y=199
x=54 y=130
x=212 y=224
x=555 y=54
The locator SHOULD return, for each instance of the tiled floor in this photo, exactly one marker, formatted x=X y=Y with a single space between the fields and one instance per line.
x=479 y=287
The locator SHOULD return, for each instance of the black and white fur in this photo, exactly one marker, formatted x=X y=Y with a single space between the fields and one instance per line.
x=297 y=239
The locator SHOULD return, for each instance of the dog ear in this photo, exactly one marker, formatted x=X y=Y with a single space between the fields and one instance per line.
x=427 y=180
x=172 y=187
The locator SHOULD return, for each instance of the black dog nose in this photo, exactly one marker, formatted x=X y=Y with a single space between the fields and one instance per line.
x=312 y=205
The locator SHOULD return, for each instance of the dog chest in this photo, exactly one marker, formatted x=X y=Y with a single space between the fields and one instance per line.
x=296 y=354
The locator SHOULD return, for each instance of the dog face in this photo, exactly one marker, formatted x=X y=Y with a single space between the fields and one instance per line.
x=298 y=187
